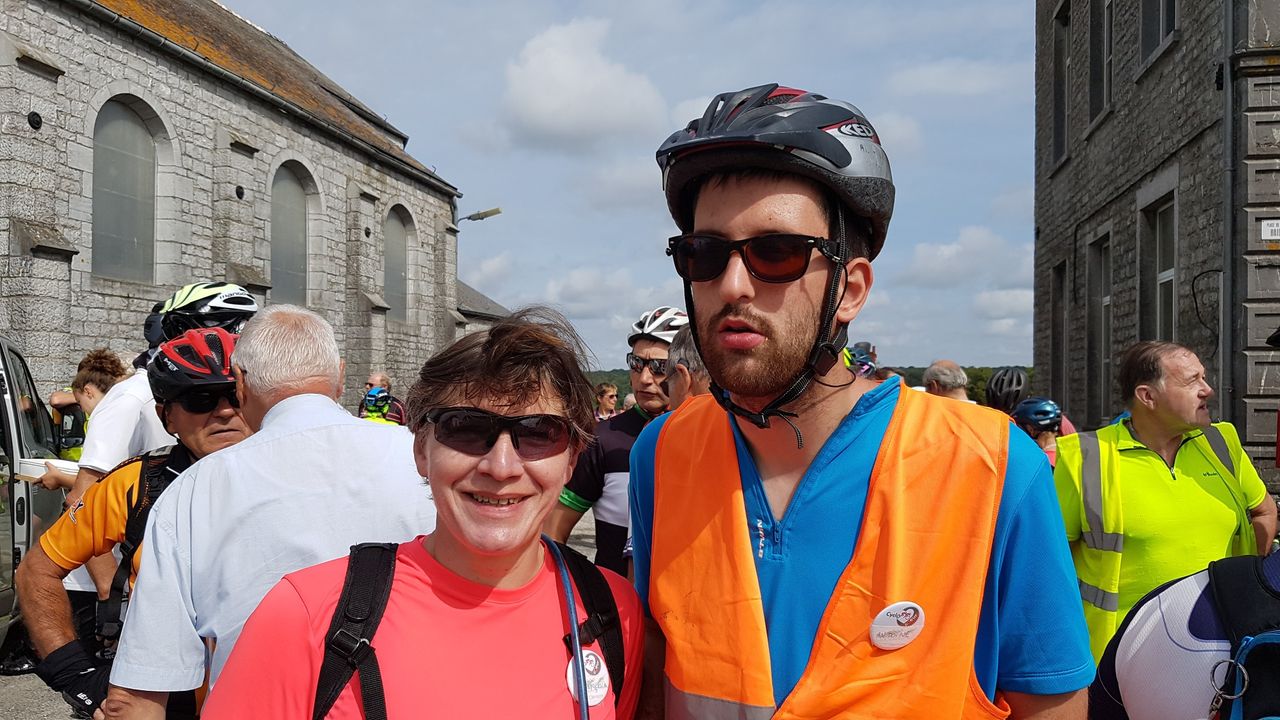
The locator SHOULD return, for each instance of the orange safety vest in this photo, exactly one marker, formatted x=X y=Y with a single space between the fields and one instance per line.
x=926 y=537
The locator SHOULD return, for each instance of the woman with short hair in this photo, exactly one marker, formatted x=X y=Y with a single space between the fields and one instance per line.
x=477 y=619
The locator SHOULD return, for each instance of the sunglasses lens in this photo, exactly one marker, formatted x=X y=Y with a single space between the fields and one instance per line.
x=540 y=436
x=777 y=258
x=701 y=258
x=467 y=431
x=474 y=432
x=205 y=401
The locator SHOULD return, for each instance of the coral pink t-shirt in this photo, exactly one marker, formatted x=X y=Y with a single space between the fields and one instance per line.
x=446 y=648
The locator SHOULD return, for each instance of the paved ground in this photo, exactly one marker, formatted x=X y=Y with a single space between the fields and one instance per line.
x=26 y=697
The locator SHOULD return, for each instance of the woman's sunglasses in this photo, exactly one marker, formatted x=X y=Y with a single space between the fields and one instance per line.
x=776 y=258
x=473 y=431
x=200 y=402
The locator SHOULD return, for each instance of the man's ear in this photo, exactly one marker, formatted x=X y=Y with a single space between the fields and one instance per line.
x=857 y=287
x=241 y=383
x=1145 y=395
x=342 y=380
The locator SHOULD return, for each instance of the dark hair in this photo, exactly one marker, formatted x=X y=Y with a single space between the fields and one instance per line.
x=532 y=351
x=1142 y=364
x=101 y=368
x=857 y=229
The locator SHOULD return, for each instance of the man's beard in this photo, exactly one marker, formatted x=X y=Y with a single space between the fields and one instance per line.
x=765 y=371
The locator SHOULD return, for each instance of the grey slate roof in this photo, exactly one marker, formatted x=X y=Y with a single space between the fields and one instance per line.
x=474 y=304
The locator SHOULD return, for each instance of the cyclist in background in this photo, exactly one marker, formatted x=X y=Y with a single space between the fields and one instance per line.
x=1041 y=418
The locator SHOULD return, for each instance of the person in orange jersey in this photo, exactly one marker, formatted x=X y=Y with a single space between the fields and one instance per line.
x=809 y=543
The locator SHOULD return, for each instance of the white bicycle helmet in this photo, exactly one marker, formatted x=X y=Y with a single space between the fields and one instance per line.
x=659 y=324
x=206 y=305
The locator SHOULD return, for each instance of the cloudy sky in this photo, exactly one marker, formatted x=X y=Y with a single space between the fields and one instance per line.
x=553 y=109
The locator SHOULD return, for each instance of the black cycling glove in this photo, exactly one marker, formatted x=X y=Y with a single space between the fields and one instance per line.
x=71 y=671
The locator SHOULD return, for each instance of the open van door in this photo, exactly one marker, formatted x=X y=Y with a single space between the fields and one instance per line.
x=27 y=441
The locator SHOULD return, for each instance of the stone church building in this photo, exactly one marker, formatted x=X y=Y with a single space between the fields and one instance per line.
x=145 y=144
x=1157 y=170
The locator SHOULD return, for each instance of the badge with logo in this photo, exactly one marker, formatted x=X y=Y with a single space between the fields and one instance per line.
x=71 y=512
x=597 y=677
x=897 y=625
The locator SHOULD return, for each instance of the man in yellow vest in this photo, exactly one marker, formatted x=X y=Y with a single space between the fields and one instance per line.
x=809 y=543
x=1160 y=495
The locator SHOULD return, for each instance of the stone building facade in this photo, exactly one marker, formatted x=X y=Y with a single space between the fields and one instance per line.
x=246 y=150
x=1157 y=171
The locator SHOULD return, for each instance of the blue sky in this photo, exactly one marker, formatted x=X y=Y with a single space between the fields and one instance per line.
x=553 y=110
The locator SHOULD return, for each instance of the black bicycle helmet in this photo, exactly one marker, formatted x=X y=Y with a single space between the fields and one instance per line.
x=199 y=358
x=1038 y=414
x=207 y=305
x=781 y=128
x=1006 y=388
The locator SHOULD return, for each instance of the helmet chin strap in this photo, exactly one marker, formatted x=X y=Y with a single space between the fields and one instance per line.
x=822 y=356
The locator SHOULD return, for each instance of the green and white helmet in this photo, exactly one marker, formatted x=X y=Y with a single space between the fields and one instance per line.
x=206 y=305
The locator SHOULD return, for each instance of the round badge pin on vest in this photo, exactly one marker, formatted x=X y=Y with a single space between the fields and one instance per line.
x=597 y=677
x=897 y=625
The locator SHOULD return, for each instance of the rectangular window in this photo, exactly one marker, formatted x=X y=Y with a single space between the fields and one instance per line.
x=1058 y=334
x=1100 y=55
x=1100 y=369
x=1159 y=19
x=1166 y=256
x=1159 y=271
x=1061 y=77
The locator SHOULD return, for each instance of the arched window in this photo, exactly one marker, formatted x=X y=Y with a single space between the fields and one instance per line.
x=395 y=233
x=124 y=194
x=288 y=238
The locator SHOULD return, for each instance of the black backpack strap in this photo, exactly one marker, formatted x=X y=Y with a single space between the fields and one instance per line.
x=371 y=568
x=602 y=620
x=153 y=479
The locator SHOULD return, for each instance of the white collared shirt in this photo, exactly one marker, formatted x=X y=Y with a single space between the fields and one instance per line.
x=303 y=489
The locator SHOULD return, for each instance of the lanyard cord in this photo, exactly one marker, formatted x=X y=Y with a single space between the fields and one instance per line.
x=579 y=671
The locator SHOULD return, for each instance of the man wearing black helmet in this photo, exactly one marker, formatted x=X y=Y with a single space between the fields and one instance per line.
x=809 y=543
x=602 y=472
x=194 y=396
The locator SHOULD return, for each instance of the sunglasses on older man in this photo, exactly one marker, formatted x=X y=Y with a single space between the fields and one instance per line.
x=206 y=400
x=773 y=258
x=637 y=364
x=473 y=431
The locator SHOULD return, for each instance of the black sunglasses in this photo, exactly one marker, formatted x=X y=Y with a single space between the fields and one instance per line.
x=637 y=364
x=200 y=402
x=473 y=431
x=774 y=258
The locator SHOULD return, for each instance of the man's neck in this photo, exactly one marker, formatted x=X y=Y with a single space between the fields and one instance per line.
x=779 y=460
x=1158 y=437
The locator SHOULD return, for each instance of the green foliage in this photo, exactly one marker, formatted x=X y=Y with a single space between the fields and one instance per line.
x=620 y=377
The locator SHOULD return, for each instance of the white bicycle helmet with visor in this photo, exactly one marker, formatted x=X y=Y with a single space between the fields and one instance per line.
x=206 y=305
x=830 y=142
x=661 y=323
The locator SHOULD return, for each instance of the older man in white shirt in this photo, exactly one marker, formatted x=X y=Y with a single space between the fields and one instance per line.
x=311 y=482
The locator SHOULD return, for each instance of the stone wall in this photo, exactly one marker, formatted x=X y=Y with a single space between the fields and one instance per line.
x=217 y=152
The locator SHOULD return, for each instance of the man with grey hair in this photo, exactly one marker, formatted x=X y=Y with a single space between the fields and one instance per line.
x=311 y=482
x=945 y=378
x=686 y=375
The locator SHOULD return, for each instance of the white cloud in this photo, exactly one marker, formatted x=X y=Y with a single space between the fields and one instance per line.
x=955 y=263
x=490 y=272
x=1002 y=304
x=603 y=293
x=960 y=77
x=633 y=181
x=564 y=93
x=900 y=134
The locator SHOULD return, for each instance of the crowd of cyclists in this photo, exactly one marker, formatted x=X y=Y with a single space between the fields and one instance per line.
x=784 y=529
